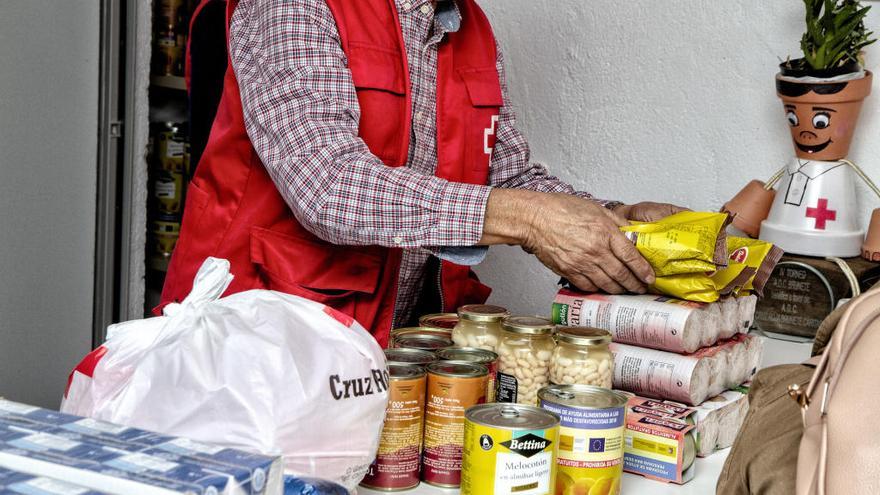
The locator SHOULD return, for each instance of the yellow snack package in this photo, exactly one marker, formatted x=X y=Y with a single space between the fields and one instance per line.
x=697 y=287
x=758 y=255
x=687 y=242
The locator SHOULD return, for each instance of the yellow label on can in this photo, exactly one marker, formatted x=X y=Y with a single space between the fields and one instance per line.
x=590 y=454
x=503 y=462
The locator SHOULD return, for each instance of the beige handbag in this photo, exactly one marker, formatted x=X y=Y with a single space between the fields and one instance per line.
x=840 y=447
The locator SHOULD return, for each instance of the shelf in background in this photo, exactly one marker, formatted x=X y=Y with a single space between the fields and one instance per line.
x=169 y=82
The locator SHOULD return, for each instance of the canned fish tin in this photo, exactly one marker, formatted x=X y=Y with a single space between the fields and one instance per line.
x=591 y=432
x=453 y=387
x=396 y=466
x=509 y=448
x=409 y=356
x=445 y=321
x=401 y=332
x=422 y=341
x=479 y=356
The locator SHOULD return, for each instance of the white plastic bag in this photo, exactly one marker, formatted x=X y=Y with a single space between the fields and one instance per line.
x=258 y=370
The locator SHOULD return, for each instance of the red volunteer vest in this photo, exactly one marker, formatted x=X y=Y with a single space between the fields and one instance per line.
x=234 y=211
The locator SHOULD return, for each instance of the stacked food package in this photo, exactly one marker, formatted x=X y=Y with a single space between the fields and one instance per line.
x=685 y=347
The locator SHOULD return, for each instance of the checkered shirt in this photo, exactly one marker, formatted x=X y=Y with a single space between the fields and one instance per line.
x=301 y=112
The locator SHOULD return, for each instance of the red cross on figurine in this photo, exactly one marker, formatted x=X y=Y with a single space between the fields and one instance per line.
x=822 y=214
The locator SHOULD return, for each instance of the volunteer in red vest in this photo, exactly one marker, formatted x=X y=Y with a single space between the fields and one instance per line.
x=365 y=153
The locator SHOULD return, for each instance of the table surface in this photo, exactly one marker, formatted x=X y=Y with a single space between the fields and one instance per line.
x=707 y=473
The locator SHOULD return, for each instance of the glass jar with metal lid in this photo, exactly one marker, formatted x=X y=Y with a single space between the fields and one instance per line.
x=524 y=358
x=582 y=357
x=479 y=325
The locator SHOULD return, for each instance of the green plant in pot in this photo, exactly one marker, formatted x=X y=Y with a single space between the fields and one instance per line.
x=814 y=210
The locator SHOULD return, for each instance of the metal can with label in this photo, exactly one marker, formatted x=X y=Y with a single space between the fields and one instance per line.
x=479 y=356
x=396 y=466
x=509 y=448
x=444 y=321
x=168 y=192
x=402 y=355
x=171 y=148
x=590 y=454
x=422 y=341
x=165 y=230
x=453 y=387
x=400 y=332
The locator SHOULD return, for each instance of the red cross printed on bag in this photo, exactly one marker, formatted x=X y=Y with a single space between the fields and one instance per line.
x=822 y=214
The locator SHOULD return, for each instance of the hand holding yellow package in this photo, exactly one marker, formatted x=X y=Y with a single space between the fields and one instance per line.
x=687 y=242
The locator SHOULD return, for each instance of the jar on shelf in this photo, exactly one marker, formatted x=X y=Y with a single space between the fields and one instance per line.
x=582 y=357
x=479 y=325
x=524 y=353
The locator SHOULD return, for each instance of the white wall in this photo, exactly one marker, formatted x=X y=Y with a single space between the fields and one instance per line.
x=48 y=173
x=668 y=101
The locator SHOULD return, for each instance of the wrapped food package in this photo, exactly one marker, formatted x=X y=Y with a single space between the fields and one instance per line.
x=686 y=242
x=687 y=378
x=652 y=321
x=719 y=419
x=747 y=306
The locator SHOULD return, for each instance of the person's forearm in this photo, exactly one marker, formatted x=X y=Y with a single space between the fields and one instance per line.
x=510 y=215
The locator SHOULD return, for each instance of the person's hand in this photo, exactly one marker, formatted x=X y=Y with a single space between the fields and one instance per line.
x=647 y=211
x=581 y=241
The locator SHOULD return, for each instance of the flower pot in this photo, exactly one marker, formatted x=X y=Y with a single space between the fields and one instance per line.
x=750 y=207
x=871 y=247
x=815 y=212
x=799 y=68
x=822 y=115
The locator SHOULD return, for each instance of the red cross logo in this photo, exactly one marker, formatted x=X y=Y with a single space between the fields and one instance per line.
x=822 y=214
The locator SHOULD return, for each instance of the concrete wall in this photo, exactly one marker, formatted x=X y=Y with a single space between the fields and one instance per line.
x=48 y=153
x=668 y=101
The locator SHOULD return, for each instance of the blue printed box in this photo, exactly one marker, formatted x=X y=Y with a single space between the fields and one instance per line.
x=100 y=450
x=14 y=482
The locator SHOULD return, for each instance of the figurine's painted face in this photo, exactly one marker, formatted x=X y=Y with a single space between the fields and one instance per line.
x=811 y=126
x=822 y=116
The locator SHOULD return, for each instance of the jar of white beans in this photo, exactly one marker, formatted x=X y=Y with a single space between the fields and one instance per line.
x=582 y=357
x=479 y=326
x=524 y=356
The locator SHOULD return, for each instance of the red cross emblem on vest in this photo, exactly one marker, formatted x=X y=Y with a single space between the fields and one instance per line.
x=822 y=214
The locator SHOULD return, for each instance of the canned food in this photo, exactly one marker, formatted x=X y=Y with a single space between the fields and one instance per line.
x=409 y=356
x=509 y=448
x=479 y=356
x=452 y=388
x=168 y=191
x=165 y=230
x=172 y=149
x=590 y=454
x=396 y=466
x=445 y=321
x=400 y=332
x=422 y=341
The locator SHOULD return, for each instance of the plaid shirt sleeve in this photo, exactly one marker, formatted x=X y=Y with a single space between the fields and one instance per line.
x=511 y=165
x=301 y=113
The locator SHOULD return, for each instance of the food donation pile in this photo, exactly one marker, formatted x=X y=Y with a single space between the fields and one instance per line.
x=642 y=383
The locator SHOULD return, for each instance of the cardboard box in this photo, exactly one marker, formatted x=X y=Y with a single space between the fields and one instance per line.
x=658 y=442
